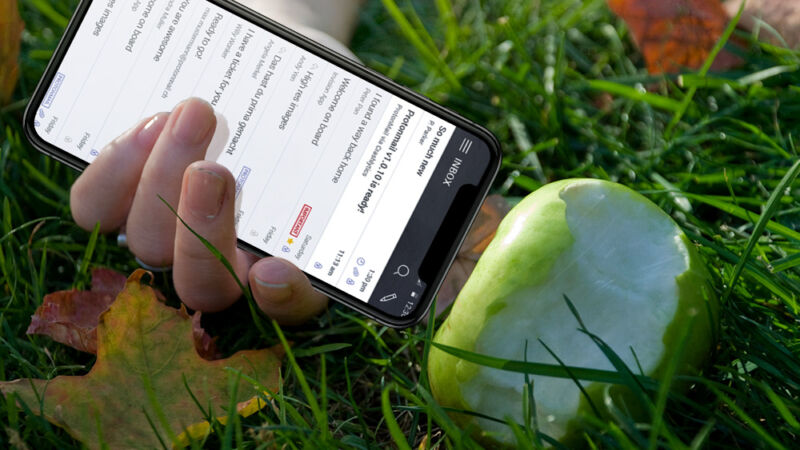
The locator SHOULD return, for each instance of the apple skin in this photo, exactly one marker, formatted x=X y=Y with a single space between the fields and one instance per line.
x=522 y=259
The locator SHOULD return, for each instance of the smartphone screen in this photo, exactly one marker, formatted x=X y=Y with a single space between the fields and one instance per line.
x=345 y=177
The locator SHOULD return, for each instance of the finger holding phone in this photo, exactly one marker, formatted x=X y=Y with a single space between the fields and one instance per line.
x=311 y=157
x=105 y=194
x=163 y=156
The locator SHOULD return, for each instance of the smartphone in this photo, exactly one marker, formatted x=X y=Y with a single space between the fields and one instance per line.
x=366 y=186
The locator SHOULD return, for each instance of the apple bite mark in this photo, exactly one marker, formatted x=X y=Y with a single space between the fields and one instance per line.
x=619 y=272
x=620 y=260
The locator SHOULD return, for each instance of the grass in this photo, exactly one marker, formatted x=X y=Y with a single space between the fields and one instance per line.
x=560 y=84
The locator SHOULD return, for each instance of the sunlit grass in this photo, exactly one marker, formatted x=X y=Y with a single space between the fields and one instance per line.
x=560 y=84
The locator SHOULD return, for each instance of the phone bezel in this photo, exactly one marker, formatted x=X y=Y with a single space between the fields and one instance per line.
x=354 y=67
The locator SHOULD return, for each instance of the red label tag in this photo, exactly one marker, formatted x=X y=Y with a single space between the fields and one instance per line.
x=301 y=221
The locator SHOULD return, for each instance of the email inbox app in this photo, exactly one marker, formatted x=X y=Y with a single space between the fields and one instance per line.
x=329 y=168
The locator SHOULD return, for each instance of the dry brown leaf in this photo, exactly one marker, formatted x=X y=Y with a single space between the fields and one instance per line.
x=11 y=26
x=676 y=35
x=71 y=317
x=149 y=385
x=782 y=15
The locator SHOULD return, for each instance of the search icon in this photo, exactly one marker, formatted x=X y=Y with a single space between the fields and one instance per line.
x=402 y=271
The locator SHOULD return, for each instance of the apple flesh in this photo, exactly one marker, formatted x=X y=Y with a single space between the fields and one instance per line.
x=633 y=276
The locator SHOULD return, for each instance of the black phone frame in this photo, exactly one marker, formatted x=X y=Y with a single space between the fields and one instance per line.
x=354 y=67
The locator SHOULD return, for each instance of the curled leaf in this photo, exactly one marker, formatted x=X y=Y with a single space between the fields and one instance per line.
x=71 y=317
x=140 y=391
x=678 y=34
x=205 y=345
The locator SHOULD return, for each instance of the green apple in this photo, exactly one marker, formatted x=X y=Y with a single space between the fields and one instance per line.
x=635 y=279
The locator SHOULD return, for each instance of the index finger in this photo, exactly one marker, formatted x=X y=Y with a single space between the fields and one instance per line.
x=104 y=191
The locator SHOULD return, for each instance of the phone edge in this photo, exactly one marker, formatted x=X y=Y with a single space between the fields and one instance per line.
x=355 y=67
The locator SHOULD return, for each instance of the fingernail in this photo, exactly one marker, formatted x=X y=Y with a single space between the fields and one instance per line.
x=149 y=133
x=194 y=123
x=272 y=274
x=205 y=193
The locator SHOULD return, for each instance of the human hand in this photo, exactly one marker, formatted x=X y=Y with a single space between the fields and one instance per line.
x=164 y=155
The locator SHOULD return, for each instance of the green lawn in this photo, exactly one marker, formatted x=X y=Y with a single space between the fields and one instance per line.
x=560 y=83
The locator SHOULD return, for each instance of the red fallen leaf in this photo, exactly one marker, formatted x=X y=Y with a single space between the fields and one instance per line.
x=149 y=386
x=782 y=15
x=492 y=212
x=674 y=35
x=11 y=26
x=71 y=317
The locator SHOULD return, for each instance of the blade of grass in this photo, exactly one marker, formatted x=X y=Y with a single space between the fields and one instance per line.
x=254 y=311
x=429 y=54
x=687 y=100
x=786 y=263
x=666 y=380
x=86 y=260
x=438 y=414
x=547 y=370
x=448 y=18
x=758 y=274
x=397 y=434
x=523 y=440
x=324 y=426
x=529 y=408
x=744 y=214
x=322 y=349
x=319 y=414
x=575 y=380
x=749 y=421
x=158 y=410
x=48 y=183
x=629 y=379
x=232 y=423
x=762 y=75
x=780 y=406
x=771 y=206
x=152 y=427
x=761 y=136
x=353 y=403
x=679 y=200
x=698 y=442
x=654 y=100
x=47 y=10
x=34 y=222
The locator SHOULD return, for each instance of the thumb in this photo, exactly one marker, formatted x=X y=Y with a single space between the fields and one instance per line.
x=284 y=292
